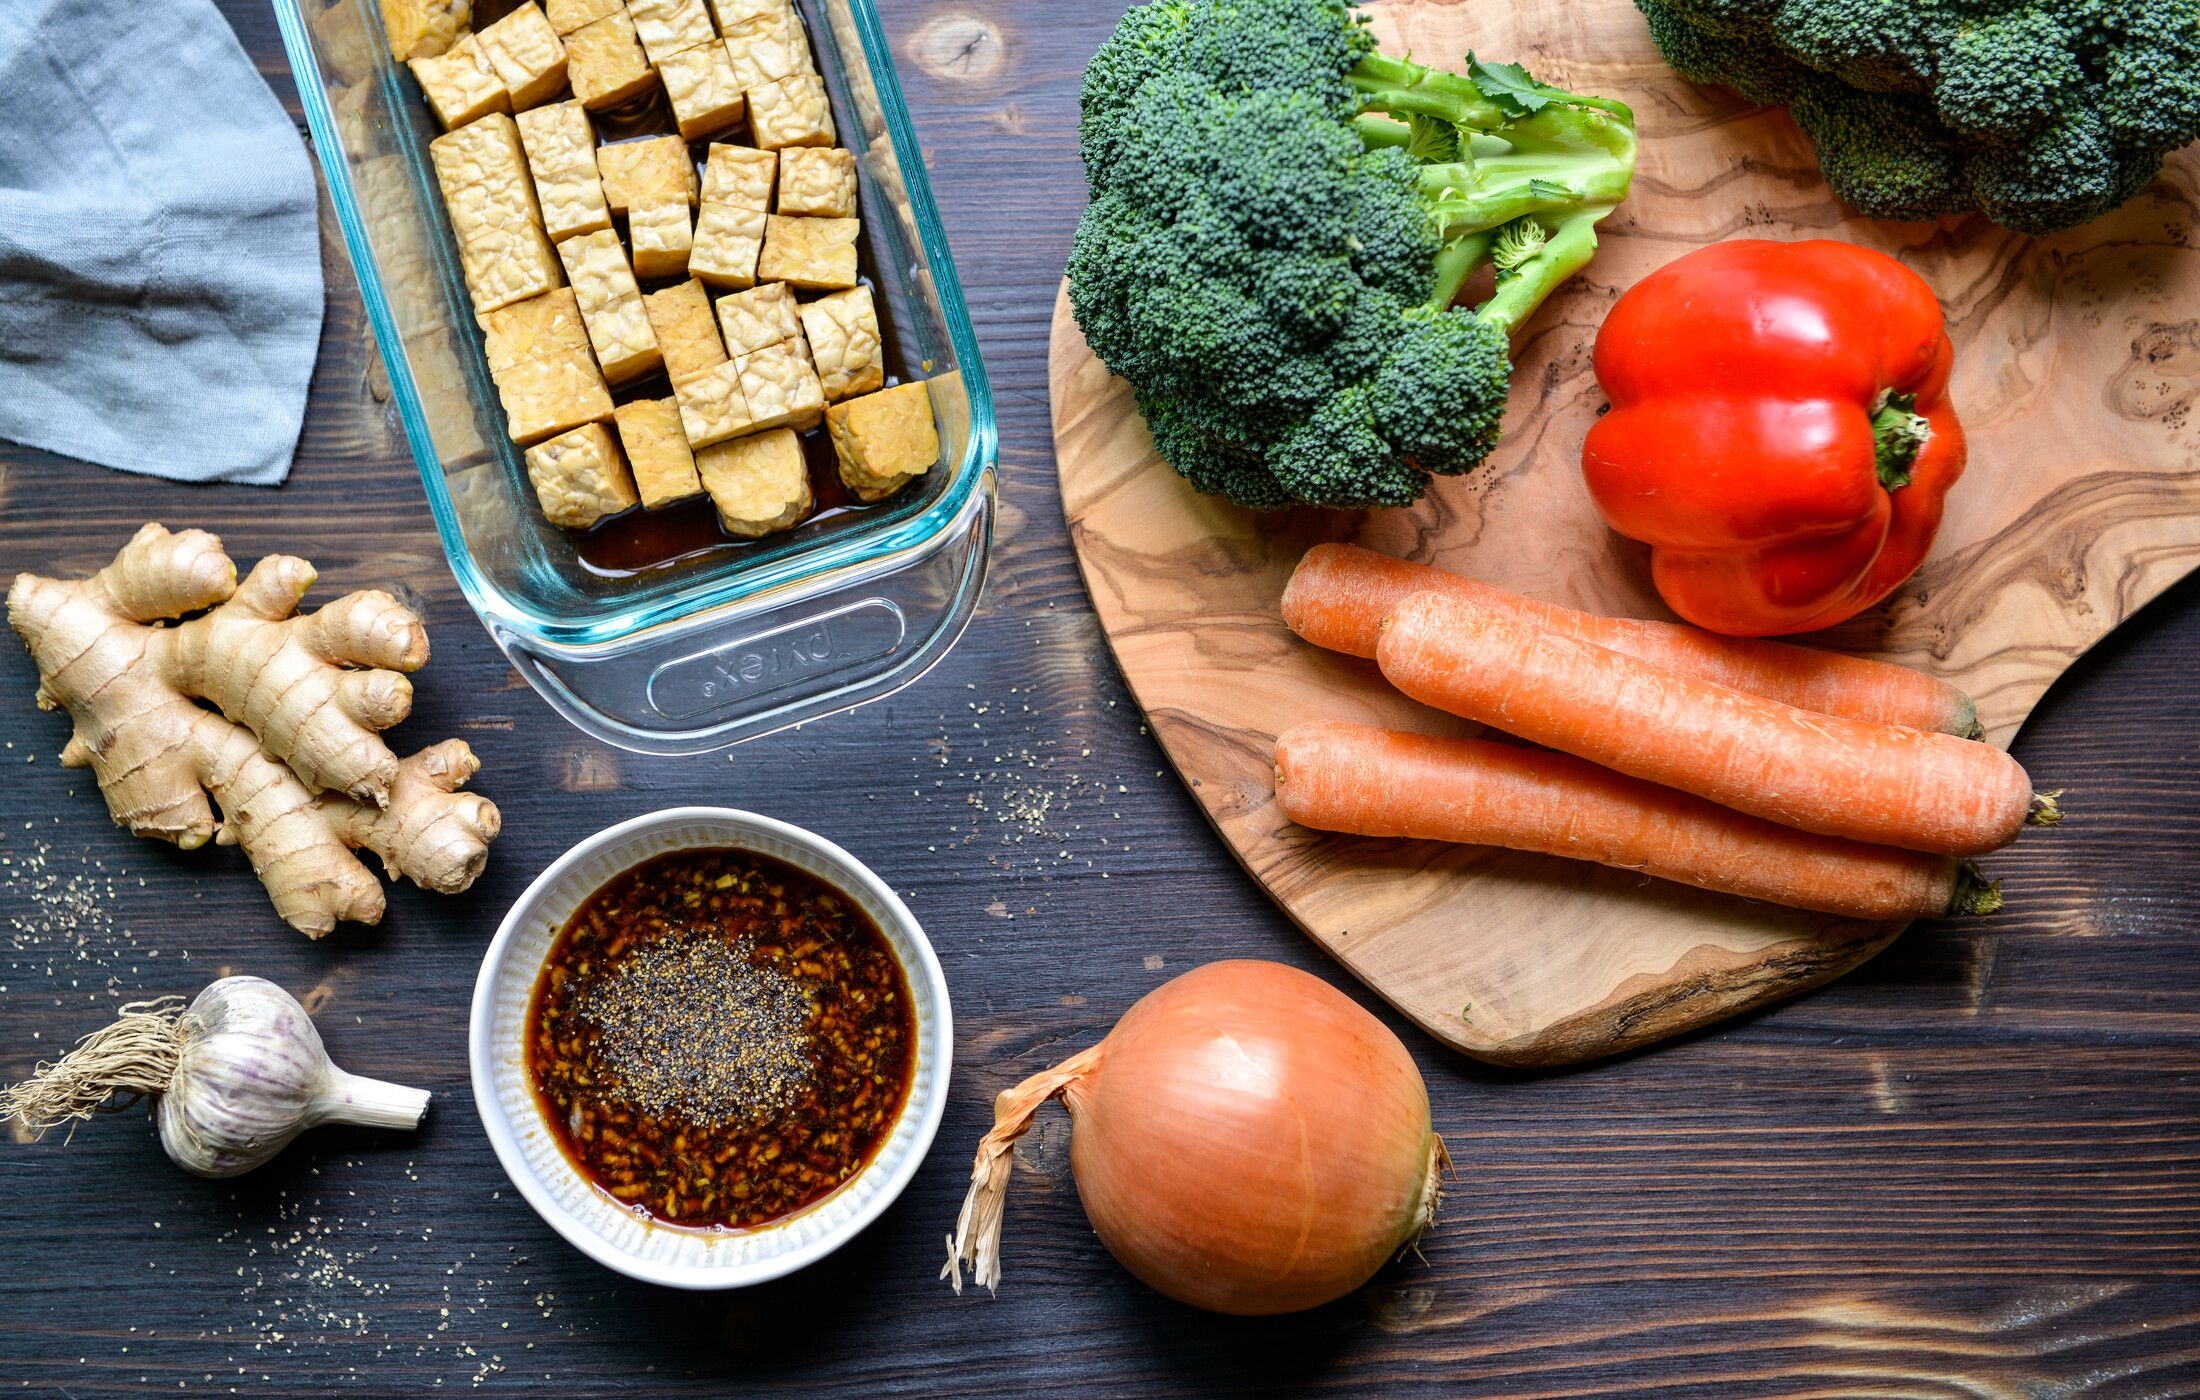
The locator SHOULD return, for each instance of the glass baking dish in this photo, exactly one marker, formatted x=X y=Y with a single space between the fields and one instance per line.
x=734 y=641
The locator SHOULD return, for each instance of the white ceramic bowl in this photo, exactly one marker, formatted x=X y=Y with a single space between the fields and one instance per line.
x=525 y=1144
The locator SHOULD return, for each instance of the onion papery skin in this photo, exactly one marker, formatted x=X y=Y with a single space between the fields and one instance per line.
x=1251 y=1141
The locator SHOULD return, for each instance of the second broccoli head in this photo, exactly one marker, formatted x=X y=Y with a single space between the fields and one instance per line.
x=1281 y=220
x=2041 y=113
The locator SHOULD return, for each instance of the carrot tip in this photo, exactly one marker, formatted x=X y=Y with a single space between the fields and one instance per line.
x=2045 y=811
x=1975 y=894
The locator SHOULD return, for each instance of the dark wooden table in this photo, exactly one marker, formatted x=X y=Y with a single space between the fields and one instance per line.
x=1972 y=1169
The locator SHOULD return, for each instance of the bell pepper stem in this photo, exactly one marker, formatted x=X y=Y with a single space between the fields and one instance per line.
x=1898 y=435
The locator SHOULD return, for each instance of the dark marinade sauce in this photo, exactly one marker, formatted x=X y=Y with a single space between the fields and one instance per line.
x=719 y=1039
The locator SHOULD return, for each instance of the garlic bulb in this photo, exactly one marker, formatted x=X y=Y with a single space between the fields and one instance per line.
x=237 y=1075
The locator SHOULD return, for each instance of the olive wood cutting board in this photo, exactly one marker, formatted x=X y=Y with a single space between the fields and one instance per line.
x=2078 y=370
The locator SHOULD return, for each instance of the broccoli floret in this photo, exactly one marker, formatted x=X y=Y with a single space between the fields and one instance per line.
x=1281 y=220
x=2042 y=113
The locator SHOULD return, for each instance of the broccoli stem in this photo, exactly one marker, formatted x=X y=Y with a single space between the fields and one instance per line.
x=1572 y=243
x=1564 y=165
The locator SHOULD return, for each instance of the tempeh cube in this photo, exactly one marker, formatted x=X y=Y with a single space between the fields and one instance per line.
x=606 y=64
x=758 y=317
x=611 y=304
x=539 y=328
x=424 y=28
x=780 y=386
x=812 y=254
x=759 y=483
x=565 y=16
x=561 y=153
x=501 y=199
x=657 y=450
x=492 y=210
x=668 y=27
x=460 y=85
x=680 y=315
x=791 y=112
x=732 y=14
x=765 y=48
x=818 y=181
x=739 y=175
x=712 y=408
x=509 y=264
x=525 y=52
x=884 y=440
x=538 y=354
x=662 y=236
x=552 y=394
x=705 y=97
x=728 y=241
x=483 y=152
x=842 y=330
x=580 y=478
x=645 y=172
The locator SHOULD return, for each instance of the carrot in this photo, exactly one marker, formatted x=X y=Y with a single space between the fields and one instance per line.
x=1339 y=593
x=1378 y=782
x=1879 y=783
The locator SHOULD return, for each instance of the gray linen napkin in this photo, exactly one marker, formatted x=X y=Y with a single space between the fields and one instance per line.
x=160 y=266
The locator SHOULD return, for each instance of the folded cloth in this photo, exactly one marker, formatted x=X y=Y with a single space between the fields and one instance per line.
x=160 y=263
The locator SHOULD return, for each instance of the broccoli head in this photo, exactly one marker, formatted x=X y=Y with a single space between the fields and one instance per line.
x=2042 y=113
x=1281 y=221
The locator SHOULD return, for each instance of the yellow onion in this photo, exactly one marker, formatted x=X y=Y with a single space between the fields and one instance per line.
x=1246 y=1139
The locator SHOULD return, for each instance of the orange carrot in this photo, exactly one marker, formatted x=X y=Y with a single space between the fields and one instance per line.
x=1879 y=783
x=1378 y=782
x=1339 y=593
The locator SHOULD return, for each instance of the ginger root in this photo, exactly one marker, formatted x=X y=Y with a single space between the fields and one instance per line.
x=291 y=751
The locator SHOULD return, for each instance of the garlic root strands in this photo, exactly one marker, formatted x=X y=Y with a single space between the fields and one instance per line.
x=237 y=1075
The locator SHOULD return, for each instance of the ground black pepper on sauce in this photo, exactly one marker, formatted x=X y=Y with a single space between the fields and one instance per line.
x=720 y=1039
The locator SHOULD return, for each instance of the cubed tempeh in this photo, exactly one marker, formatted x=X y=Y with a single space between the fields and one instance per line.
x=657 y=450
x=561 y=154
x=668 y=27
x=645 y=172
x=611 y=304
x=884 y=440
x=686 y=333
x=758 y=317
x=661 y=236
x=605 y=62
x=765 y=48
x=711 y=406
x=793 y=111
x=424 y=28
x=739 y=175
x=526 y=53
x=705 y=97
x=483 y=152
x=507 y=263
x=842 y=331
x=460 y=85
x=580 y=478
x=565 y=16
x=780 y=386
x=759 y=483
x=812 y=254
x=817 y=180
x=540 y=328
x=552 y=394
x=728 y=241
x=732 y=14
x=500 y=202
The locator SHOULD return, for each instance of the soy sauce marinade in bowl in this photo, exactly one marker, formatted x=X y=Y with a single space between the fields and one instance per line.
x=719 y=1040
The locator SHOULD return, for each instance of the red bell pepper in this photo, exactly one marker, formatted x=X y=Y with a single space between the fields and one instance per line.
x=1780 y=432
